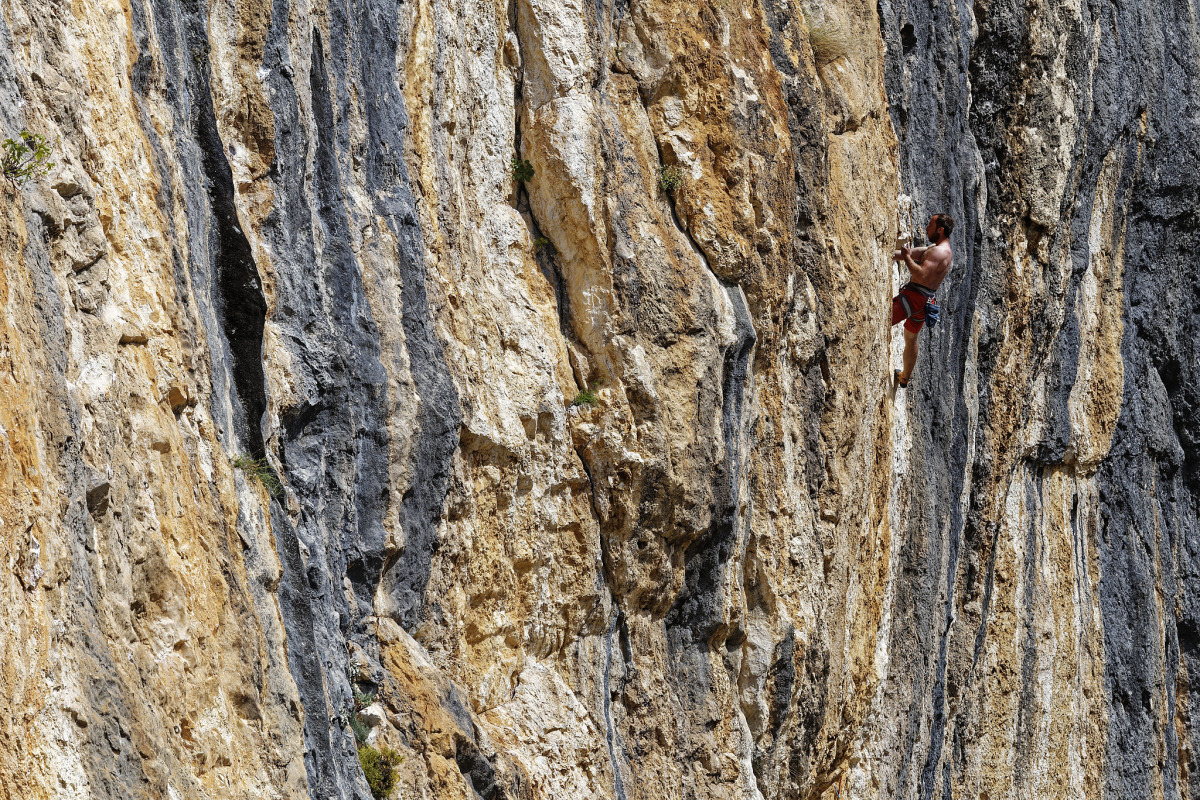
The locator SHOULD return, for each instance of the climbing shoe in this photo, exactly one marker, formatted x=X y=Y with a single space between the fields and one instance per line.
x=900 y=383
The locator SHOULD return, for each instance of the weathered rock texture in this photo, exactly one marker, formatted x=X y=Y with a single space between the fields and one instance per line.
x=289 y=230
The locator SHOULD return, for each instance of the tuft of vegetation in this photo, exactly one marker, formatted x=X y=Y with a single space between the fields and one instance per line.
x=541 y=243
x=670 y=178
x=522 y=170
x=360 y=729
x=379 y=768
x=586 y=398
x=829 y=43
x=25 y=158
x=258 y=469
x=350 y=716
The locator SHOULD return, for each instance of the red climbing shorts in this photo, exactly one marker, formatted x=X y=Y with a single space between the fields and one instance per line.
x=909 y=306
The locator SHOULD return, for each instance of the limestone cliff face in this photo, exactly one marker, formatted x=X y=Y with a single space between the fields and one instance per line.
x=597 y=481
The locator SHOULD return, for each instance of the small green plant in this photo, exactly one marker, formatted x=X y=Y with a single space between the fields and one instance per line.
x=586 y=398
x=362 y=699
x=379 y=768
x=258 y=469
x=828 y=42
x=670 y=178
x=522 y=170
x=542 y=243
x=360 y=729
x=25 y=158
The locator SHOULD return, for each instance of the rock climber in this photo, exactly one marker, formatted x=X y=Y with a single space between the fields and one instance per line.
x=927 y=266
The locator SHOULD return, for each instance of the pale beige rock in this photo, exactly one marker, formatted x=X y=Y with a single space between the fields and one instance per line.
x=668 y=562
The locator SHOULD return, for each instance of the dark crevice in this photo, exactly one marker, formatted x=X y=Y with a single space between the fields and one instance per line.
x=778 y=688
x=547 y=260
x=487 y=781
x=612 y=738
x=239 y=301
x=1025 y=734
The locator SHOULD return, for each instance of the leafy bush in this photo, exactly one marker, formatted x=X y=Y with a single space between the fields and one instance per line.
x=670 y=178
x=258 y=469
x=586 y=398
x=829 y=43
x=25 y=158
x=362 y=699
x=522 y=170
x=379 y=768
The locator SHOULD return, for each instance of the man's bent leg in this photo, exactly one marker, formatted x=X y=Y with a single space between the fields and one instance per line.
x=910 y=353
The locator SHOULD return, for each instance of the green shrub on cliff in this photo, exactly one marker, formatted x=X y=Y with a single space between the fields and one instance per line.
x=586 y=398
x=362 y=699
x=522 y=170
x=25 y=157
x=670 y=178
x=379 y=768
x=260 y=470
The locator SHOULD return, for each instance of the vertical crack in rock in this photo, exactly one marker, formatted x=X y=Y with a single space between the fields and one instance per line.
x=239 y=298
x=610 y=734
x=1028 y=662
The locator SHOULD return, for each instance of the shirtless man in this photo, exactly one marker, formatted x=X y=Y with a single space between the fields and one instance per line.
x=927 y=266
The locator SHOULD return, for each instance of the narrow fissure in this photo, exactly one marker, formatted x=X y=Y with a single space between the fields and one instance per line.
x=543 y=249
x=239 y=301
x=610 y=736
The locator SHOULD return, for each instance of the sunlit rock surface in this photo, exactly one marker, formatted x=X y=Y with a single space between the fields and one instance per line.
x=595 y=485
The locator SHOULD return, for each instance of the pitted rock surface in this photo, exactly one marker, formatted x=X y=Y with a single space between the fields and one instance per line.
x=595 y=484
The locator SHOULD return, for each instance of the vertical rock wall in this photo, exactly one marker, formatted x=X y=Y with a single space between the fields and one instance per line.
x=1059 y=666
x=596 y=481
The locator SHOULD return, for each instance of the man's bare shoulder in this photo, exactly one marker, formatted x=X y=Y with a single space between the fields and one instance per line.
x=942 y=254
